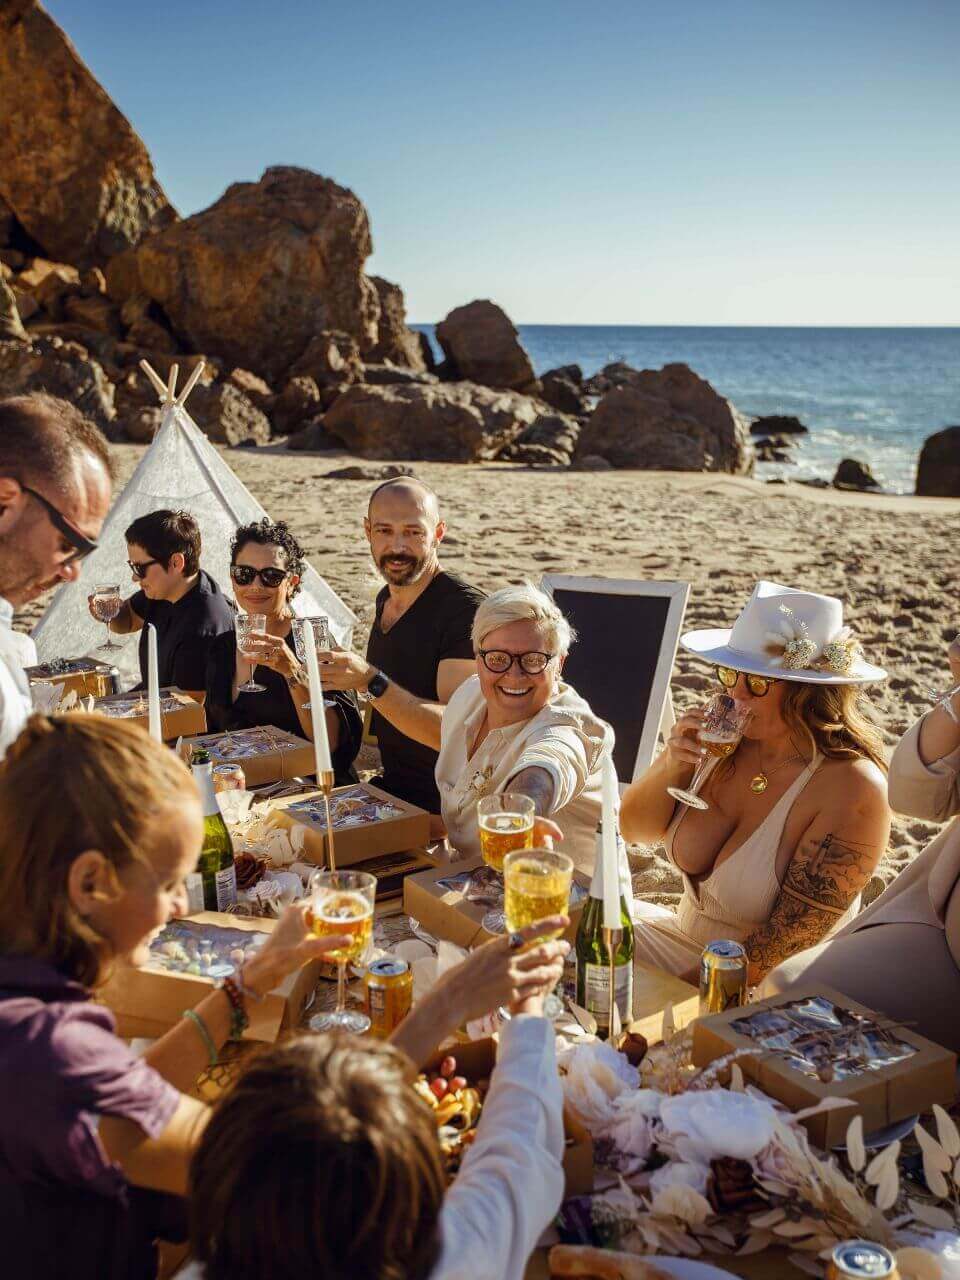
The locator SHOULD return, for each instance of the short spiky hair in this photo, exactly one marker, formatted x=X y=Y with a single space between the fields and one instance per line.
x=266 y=533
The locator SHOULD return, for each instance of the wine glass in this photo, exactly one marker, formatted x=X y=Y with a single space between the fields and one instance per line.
x=939 y=696
x=247 y=623
x=321 y=639
x=506 y=823
x=724 y=721
x=536 y=885
x=106 y=603
x=342 y=902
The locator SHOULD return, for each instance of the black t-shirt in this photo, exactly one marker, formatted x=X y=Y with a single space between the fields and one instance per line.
x=275 y=705
x=185 y=631
x=436 y=626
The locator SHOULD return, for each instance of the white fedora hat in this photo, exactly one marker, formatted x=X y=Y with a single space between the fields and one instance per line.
x=793 y=635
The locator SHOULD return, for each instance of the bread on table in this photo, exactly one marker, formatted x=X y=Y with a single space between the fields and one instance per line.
x=601 y=1264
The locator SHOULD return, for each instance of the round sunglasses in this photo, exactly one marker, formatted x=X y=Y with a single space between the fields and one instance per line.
x=244 y=574
x=759 y=686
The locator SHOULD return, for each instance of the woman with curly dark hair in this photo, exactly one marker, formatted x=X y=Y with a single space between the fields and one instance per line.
x=266 y=565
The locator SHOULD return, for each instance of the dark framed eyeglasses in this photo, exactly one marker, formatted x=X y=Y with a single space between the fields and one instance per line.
x=139 y=567
x=244 y=574
x=499 y=661
x=82 y=545
x=758 y=686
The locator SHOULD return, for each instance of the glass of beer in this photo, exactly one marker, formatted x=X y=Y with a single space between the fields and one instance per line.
x=537 y=885
x=724 y=721
x=506 y=824
x=106 y=603
x=247 y=624
x=342 y=902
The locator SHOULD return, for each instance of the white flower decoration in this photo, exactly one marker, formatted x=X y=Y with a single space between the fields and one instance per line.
x=679 y=1174
x=594 y=1075
x=679 y=1201
x=791 y=645
x=634 y=1124
x=702 y=1125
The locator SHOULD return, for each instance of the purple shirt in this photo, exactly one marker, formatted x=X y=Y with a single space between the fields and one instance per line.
x=62 y=1066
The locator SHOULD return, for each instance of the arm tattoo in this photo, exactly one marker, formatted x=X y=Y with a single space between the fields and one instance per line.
x=538 y=785
x=820 y=884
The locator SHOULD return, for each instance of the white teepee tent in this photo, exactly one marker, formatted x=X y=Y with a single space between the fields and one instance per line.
x=181 y=471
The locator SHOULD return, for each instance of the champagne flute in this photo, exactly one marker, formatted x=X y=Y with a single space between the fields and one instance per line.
x=506 y=823
x=321 y=639
x=107 y=603
x=939 y=696
x=342 y=902
x=247 y=623
x=724 y=721
x=537 y=885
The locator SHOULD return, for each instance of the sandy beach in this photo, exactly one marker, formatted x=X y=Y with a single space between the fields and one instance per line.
x=885 y=556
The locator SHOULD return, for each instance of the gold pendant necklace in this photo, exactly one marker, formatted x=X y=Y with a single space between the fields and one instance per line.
x=760 y=781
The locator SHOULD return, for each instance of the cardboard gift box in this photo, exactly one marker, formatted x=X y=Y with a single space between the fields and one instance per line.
x=150 y=999
x=476 y=1060
x=367 y=822
x=266 y=754
x=439 y=900
x=84 y=676
x=908 y=1073
x=181 y=713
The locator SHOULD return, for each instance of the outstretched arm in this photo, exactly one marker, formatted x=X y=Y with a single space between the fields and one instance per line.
x=832 y=863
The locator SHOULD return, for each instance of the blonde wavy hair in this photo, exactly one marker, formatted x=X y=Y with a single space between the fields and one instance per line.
x=67 y=784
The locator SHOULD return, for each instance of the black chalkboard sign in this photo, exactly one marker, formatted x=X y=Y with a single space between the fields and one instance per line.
x=621 y=662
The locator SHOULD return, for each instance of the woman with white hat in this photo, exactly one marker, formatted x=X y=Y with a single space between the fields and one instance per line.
x=796 y=819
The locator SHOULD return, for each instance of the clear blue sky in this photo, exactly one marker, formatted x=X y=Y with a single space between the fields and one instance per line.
x=679 y=162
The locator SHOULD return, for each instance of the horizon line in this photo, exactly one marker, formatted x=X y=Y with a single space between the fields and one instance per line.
x=690 y=324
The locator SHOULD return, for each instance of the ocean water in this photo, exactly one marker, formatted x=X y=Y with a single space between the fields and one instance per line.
x=870 y=394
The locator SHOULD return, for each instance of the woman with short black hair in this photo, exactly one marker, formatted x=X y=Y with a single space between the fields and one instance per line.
x=266 y=565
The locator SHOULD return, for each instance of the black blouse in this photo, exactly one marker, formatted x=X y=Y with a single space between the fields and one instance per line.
x=275 y=705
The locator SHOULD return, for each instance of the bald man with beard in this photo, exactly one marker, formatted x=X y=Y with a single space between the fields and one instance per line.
x=419 y=651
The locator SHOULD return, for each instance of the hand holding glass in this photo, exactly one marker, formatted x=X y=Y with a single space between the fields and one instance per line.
x=247 y=624
x=724 y=721
x=321 y=639
x=537 y=885
x=106 y=603
x=342 y=902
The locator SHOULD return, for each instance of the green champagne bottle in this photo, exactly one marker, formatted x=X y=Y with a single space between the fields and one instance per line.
x=593 y=971
x=215 y=866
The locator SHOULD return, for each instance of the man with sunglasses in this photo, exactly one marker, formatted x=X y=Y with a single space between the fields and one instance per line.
x=179 y=598
x=55 y=489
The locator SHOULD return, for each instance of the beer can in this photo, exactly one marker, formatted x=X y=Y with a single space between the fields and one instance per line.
x=860 y=1259
x=723 y=977
x=389 y=994
x=229 y=777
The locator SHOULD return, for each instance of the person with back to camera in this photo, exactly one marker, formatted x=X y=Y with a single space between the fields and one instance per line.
x=95 y=1142
x=179 y=598
x=798 y=816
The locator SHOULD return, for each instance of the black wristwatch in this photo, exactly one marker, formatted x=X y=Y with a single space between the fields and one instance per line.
x=377 y=686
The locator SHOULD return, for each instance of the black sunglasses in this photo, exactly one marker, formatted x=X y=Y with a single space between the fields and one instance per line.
x=82 y=545
x=139 y=567
x=498 y=661
x=244 y=574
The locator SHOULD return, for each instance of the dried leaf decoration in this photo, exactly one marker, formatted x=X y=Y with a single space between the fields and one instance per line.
x=888 y=1188
x=736 y=1079
x=947 y=1132
x=932 y=1216
x=856 y=1152
x=874 y=1170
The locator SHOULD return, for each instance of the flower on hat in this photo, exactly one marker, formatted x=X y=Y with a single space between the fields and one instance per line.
x=791 y=646
x=842 y=652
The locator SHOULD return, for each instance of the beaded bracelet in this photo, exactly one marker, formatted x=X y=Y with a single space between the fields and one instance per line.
x=204 y=1033
x=239 y=1019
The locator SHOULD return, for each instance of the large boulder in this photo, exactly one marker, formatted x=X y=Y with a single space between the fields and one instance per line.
x=63 y=369
x=227 y=416
x=385 y=375
x=669 y=420
x=72 y=169
x=449 y=422
x=482 y=345
x=330 y=357
x=395 y=342
x=297 y=402
x=778 y=424
x=253 y=278
x=551 y=439
x=563 y=393
x=938 y=470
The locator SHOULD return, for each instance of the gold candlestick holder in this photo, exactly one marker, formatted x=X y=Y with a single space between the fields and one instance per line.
x=325 y=782
x=611 y=940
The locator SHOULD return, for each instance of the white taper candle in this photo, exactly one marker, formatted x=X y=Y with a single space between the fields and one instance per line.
x=609 y=850
x=321 y=744
x=153 y=685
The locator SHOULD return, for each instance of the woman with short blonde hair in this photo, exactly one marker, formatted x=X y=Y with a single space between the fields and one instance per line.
x=523 y=603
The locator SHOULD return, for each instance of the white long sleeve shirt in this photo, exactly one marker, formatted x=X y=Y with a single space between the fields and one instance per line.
x=15 y=702
x=510 y=1184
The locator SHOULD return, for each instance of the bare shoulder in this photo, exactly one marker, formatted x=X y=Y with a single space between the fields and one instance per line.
x=852 y=784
